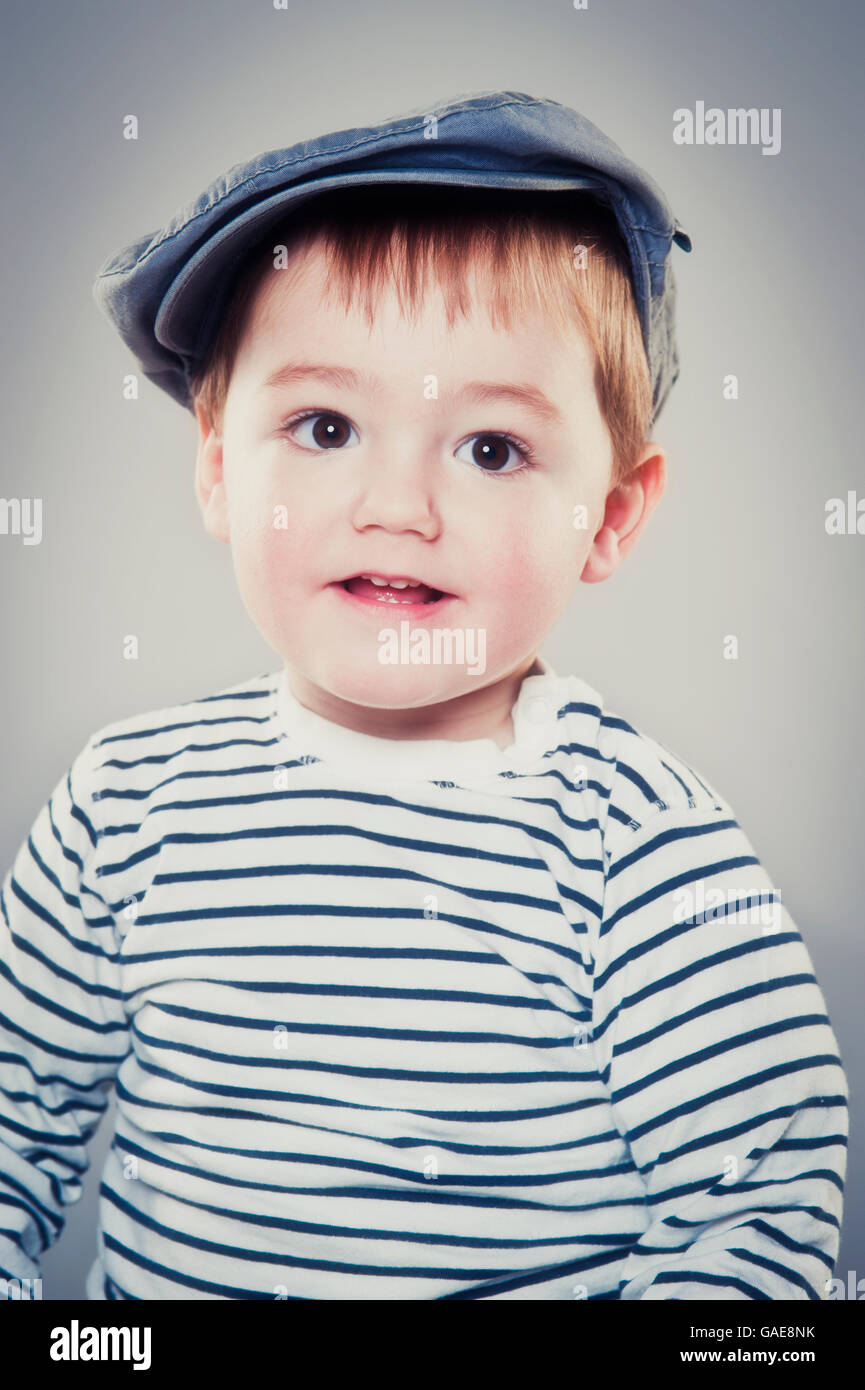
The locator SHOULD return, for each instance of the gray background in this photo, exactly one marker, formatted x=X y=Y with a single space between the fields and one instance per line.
x=772 y=291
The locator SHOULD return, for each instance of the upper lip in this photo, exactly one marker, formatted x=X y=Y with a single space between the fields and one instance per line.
x=392 y=574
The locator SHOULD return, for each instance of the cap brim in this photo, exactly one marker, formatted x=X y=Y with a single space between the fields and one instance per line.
x=194 y=298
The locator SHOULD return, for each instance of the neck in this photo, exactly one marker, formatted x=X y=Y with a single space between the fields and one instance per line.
x=484 y=713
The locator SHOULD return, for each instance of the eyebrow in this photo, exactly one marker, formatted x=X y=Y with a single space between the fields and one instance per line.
x=346 y=378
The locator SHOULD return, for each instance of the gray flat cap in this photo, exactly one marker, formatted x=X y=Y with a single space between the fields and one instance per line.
x=165 y=293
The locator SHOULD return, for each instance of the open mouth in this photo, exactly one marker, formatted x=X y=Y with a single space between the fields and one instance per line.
x=393 y=589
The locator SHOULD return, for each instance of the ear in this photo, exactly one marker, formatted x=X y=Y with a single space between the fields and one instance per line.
x=628 y=508
x=209 y=481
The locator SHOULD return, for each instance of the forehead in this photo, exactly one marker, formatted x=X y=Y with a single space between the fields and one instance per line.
x=303 y=301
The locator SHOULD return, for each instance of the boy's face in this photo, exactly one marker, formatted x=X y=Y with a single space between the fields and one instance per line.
x=396 y=475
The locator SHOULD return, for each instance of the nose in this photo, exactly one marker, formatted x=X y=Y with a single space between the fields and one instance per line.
x=397 y=491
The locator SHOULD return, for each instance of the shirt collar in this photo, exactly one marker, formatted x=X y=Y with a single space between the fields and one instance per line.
x=534 y=714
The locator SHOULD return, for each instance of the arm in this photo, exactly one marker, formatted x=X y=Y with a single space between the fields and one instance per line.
x=723 y=1070
x=63 y=1028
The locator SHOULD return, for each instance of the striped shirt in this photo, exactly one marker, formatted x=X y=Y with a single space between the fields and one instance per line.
x=395 y=1019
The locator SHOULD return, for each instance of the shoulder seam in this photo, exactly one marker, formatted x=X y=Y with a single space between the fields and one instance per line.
x=664 y=819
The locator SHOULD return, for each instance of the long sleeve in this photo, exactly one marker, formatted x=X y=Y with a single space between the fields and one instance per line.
x=63 y=1028
x=724 y=1073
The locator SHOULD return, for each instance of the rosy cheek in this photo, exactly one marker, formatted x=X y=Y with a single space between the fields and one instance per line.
x=287 y=555
x=266 y=528
x=510 y=593
x=534 y=560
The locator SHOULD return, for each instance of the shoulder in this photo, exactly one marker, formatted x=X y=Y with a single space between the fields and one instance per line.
x=670 y=841
x=638 y=776
x=248 y=701
x=649 y=777
x=141 y=751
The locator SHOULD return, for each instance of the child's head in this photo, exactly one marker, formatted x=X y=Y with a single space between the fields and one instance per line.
x=418 y=300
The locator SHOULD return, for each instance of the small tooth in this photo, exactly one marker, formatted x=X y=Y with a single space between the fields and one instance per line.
x=386 y=583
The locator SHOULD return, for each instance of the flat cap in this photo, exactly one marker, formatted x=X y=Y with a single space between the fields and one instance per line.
x=165 y=292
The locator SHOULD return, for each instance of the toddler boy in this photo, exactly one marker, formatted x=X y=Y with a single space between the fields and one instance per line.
x=418 y=972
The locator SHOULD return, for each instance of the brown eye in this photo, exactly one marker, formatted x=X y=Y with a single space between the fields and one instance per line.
x=490 y=452
x=321 y=429
x=494 y=452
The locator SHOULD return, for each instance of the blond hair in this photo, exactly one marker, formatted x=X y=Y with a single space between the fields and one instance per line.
x=529 y=246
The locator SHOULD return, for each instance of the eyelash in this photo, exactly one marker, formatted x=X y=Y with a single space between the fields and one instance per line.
x=525 y=451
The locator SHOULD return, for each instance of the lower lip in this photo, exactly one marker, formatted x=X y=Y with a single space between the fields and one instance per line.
x=385 y=608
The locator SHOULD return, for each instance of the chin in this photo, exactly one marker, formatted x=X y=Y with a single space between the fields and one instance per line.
x=399 y=686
